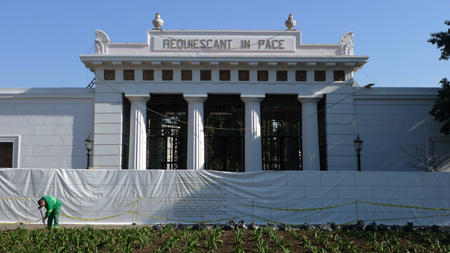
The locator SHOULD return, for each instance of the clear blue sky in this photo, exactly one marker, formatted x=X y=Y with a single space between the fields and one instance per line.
x=40 y=41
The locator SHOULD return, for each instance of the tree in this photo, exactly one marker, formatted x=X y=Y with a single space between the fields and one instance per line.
x=423 y=159
x=441 y=106
x=442 y=42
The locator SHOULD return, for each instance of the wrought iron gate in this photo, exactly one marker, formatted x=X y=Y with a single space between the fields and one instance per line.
x=167 y=132
x=224 y=139
x=281 y=133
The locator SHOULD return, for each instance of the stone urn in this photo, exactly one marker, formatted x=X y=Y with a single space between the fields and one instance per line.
x=158 y=22
x=290 y=23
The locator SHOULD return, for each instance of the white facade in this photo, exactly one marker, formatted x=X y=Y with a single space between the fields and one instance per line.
x=394 y=123
x=48 y=126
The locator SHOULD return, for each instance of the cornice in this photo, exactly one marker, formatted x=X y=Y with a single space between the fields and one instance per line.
x=346 y=62
x=47 y=93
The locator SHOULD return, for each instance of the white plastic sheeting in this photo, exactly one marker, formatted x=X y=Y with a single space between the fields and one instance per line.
x=292 y=197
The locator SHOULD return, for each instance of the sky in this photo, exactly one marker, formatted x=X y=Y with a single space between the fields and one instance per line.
x=40 y=41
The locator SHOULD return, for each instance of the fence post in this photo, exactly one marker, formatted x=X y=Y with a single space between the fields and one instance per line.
x=252 y=208
x=357 y=211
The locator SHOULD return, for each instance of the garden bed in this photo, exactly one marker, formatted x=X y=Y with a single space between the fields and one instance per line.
x=169 y=239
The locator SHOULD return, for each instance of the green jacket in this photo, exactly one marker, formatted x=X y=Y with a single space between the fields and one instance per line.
x=51 y=203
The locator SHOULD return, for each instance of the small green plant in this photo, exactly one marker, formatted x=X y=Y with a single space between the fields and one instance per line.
x=214 y=239
x=89 y=239
x=257 y=234
x=262 y=246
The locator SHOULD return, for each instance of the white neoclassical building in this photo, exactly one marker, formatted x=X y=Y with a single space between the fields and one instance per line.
x=239 y=101
x=219 y=100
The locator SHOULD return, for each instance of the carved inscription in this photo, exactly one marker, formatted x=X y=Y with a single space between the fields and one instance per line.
x=270 y=44
x=196 y=44
x=221 y=44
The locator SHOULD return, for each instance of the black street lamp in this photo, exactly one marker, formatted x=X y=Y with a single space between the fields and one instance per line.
x=358 y=147
x=89 y=143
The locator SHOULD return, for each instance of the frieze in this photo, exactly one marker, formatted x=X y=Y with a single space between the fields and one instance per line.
x=223 y=43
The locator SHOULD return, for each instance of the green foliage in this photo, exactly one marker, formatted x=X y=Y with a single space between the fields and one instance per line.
x=214 y=239
x=441 y=107
x=442 y=42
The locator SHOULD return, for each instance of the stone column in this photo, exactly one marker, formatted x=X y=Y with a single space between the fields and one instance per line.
x=138 y=131
x=253 y=152
x=310 y=132
x=196 y=134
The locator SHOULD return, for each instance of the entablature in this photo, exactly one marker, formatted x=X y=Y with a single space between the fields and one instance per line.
x=224 y=48
x=350 y=63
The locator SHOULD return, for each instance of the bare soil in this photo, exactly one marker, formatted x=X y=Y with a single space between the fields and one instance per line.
x=295 y=245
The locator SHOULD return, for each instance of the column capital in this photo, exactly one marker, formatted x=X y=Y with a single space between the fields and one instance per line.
x=134 y=97
x=248 y=98
x=195 y=97
x=314 y=98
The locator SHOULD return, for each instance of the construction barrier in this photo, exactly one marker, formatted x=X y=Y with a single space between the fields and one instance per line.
x=283 y=197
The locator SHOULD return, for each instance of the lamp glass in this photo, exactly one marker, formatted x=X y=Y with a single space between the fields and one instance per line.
x=358 y=144
x=88 y=145
x=89 y=142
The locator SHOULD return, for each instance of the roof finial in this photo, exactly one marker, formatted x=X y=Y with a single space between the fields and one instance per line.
x=290 y=23
x=157 y=22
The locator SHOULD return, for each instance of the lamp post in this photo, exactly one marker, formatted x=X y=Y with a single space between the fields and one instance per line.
x=89 y=143
x=358 y=147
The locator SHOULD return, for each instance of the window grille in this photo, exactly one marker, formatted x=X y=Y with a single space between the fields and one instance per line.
x=205 y=75
x=244 y=75
x=339 y=75
x=186 y=75
x=281 y=133
x=224 y=148
x=224 y=75
x=300 y=75
x=109 y=75
x=6 y=154
x=167 y=75
x=320 y=76
x=263 y=75
x=148 y=75
x=128 y=74
x=126 y=111
x=282 y=75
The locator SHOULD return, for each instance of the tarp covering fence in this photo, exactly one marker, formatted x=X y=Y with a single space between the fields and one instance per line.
x=289 y=197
